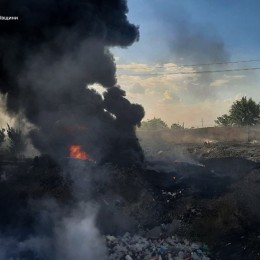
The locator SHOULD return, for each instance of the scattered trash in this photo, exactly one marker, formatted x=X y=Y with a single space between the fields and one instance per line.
x=132 y=247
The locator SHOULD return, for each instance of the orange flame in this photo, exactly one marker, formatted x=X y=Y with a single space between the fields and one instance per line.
x=76 y=152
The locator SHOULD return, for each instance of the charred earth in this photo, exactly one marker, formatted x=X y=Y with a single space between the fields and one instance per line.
x=212 y=200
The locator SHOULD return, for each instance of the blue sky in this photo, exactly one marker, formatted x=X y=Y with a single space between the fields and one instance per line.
x=236 y=22
x=191 y=32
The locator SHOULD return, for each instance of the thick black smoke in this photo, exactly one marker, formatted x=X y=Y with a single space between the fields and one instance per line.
x=47 y=60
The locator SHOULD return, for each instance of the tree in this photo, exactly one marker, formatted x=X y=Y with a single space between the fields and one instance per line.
x=224 y=120
x=16 y=140
x=177 y=126
x=243 y=112
x=154 y=124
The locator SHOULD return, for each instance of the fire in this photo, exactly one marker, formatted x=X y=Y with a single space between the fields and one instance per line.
x=76 y=152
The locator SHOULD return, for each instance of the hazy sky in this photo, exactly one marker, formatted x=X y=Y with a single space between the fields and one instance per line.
x=177 y=32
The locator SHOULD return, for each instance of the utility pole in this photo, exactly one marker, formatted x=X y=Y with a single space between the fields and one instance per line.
x=202 y=122
x=248 y=139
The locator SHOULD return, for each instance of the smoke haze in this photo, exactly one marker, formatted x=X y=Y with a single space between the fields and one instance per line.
x=193 y=43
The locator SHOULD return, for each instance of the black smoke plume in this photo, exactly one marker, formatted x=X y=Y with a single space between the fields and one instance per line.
x=48 y=59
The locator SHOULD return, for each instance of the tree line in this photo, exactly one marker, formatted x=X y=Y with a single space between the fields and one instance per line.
x=159 y=124
x=243 y=112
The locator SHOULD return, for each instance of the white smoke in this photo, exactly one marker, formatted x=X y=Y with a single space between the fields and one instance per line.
x=78 y=238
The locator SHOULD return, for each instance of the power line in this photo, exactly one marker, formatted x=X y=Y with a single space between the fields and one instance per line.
x=196 y=65
x=192 y=72
x=213 y=71
x=216 y=63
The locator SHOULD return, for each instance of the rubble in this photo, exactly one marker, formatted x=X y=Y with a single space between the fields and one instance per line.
x=133 y=247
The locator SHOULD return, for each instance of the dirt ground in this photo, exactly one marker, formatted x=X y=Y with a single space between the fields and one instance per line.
x=249 y=151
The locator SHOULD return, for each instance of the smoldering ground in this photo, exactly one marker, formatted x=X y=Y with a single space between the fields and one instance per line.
x=58 y=237
x=53 y=212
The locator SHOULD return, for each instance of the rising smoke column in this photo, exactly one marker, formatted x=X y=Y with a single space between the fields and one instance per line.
x=50 y=55
x=190 y=42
